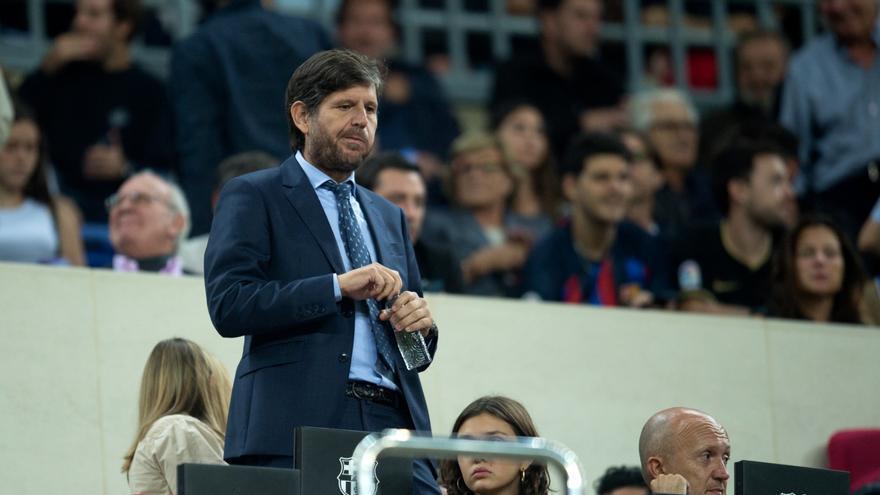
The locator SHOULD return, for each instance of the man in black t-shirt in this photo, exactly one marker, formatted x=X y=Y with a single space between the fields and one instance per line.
x=725 y=267
x=563 y=77
x=103 y=116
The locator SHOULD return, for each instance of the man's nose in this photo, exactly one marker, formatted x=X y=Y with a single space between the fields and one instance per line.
x=359 y=118
x=721 y=472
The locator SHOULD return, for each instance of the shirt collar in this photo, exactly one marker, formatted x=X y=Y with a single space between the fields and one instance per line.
x=316 y=176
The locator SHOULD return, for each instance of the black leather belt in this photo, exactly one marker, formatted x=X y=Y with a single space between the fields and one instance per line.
x=374 y=393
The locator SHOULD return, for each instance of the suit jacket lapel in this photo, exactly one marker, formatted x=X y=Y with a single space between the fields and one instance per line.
x=300 y=194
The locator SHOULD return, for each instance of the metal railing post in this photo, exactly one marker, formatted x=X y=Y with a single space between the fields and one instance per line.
x=403 y=442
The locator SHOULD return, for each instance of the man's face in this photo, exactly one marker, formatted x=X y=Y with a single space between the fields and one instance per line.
x=673 y=133
x=602 y=190
x=407 y=190
x=480 y=178
x=95 y=19
x=850 y=19
x=761 y=69
x=143 y=223
x=367 y=28
x=576 y=26
x=340 y=134
x=768 y=197
x=700 y=453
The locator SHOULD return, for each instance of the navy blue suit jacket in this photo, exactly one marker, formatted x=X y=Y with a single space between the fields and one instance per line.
x=268 y=277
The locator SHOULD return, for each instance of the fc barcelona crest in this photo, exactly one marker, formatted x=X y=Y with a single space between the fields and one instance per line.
x=346 y=479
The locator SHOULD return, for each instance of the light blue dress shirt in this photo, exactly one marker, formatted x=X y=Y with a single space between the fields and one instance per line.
x=363 y=354
x=833 y=106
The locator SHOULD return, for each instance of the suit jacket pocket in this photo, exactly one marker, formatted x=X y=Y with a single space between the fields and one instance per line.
x=271 y=355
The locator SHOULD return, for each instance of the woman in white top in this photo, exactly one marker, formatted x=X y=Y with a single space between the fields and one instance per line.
x=184 y=401
x=35 y=226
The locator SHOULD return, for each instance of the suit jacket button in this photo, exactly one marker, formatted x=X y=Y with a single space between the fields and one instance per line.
x=348 y=313
x=343 y=358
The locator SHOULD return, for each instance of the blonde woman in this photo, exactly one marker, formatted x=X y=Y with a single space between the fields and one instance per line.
x=182 y=411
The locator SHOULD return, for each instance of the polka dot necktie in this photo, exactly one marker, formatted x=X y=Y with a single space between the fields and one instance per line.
x=358 y=255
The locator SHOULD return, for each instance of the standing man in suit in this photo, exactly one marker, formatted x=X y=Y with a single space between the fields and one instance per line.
x=302 y=261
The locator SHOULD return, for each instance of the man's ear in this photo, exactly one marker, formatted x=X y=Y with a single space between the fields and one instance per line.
x=123 y=31
x=569 y=186
x=177 y=225
x=655 y=467
x=737 y=190
x=300 y=115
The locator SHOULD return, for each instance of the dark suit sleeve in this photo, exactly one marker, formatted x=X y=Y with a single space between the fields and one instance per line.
x=242 y=299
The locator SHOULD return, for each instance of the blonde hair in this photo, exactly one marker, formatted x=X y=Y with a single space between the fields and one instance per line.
x=180 y=378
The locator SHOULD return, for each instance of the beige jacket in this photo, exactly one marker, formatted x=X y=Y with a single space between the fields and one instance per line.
x=172 y=440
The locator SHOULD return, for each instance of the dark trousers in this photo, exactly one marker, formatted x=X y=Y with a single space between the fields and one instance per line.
x=365 y=415
x=849 y=202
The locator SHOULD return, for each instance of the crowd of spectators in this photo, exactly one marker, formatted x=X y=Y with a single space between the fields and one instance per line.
x=577 y=191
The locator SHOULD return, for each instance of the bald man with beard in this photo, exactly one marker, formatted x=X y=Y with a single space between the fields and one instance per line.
x=684 y=451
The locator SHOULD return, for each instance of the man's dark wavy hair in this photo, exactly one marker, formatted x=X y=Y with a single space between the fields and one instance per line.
x=325 y=73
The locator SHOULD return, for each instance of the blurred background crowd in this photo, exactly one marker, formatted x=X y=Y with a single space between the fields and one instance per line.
x=719 y=157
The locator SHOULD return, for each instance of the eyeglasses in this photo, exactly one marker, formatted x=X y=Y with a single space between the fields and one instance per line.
x=672 y=125
x=486 y=168
x=136 y=199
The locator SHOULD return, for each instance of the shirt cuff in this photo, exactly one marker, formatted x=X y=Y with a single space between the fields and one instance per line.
x=337 y=292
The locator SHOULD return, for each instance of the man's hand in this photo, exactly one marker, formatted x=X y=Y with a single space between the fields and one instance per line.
x=669 y=484
x=507 y=256
x=409 y=313
x=106 y=161
x=603 y=119
x=70 y=47
x=373 y=281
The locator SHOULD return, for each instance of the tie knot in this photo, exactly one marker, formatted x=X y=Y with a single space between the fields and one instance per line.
x=342 y=191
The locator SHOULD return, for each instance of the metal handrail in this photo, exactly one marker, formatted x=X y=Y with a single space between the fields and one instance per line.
x=404 y=442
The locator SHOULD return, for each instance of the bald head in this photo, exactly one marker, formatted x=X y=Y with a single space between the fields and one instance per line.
x=689 y=443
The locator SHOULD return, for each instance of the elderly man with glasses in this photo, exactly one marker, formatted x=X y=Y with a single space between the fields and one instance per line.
x=149 y=218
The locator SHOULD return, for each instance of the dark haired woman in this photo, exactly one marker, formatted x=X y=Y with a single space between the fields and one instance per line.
x=35 y=226
x=818 y=275
x=498 y=418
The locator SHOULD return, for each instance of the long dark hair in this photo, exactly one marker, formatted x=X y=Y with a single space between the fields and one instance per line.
x=545 y=178
x=37 y=187
x=787 y=298
x=537 y=478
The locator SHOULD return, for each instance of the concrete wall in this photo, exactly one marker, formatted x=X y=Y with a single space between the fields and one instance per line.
x=75 y=341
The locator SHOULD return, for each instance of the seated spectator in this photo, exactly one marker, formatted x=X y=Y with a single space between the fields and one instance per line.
x=761 y=58
x=149 y=218
x=598 y=258
x=646 y=180
x=192 y=251
x=416 y=116
x=563 y=75
x=520 y=128
x=490 y=240
x=103 y=116
x=498 y=418
x=818 y=276
x=725 y=267
x=684 y=451
x=182 y=410
x=623 y=480
x=225 y=80
x=389 y=175
x=830 y=102
x=35 y=225
x=669 y=120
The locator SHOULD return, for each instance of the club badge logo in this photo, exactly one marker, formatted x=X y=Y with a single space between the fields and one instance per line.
x=346 y=478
